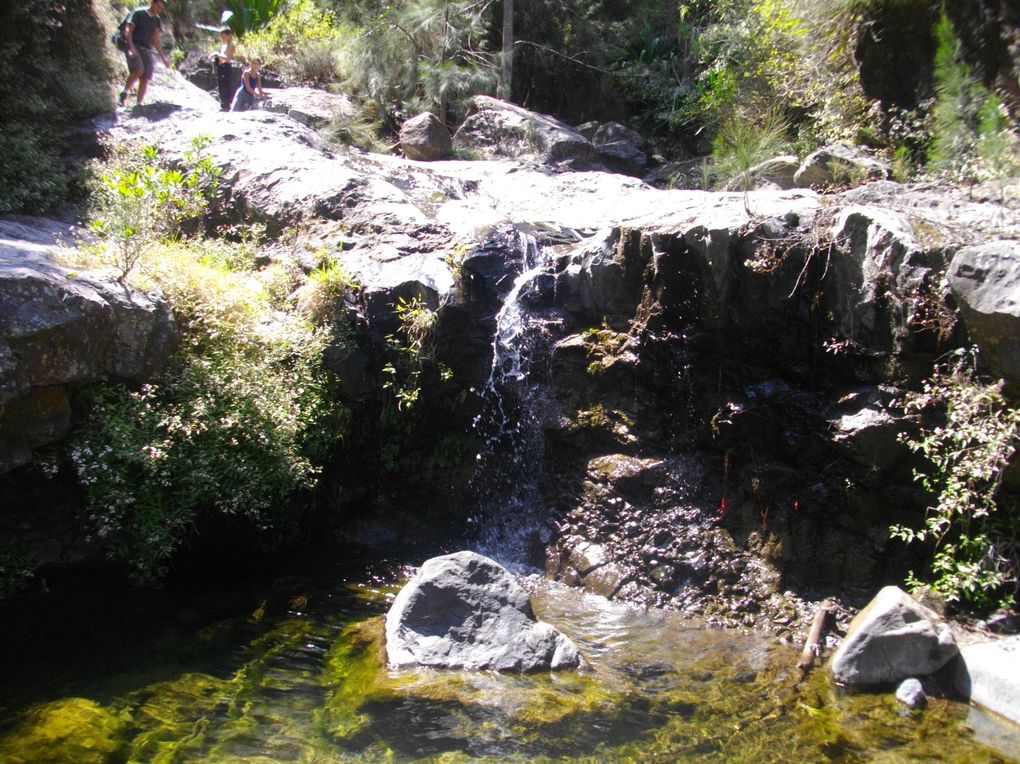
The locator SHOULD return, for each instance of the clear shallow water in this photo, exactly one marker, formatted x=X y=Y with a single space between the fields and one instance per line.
x=300 y=679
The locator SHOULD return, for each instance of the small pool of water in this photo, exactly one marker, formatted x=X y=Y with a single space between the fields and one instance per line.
x=300 y=677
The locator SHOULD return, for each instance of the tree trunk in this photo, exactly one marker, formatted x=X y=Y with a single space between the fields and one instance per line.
x=506 y=74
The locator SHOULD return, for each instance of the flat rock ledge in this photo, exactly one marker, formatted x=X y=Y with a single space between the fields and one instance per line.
x=892 y=639
x=988 y=674
x=465 y=611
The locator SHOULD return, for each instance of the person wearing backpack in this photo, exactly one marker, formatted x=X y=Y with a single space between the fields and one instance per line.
x=141 y=34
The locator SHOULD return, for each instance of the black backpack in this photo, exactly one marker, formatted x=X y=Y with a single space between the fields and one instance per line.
x=120 y=36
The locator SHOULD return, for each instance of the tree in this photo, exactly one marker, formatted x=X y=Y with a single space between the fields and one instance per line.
x=506 y=75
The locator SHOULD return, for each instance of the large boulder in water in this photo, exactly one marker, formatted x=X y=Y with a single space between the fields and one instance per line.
x=466 y=611
x=892 y=639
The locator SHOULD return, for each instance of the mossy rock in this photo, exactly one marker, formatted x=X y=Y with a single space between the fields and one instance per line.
x=70 y=730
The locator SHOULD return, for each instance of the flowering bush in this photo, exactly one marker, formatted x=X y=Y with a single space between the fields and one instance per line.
x=240 y=421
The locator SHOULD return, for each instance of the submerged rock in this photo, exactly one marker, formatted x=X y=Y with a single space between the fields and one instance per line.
x=466 y=611
x=892 y=639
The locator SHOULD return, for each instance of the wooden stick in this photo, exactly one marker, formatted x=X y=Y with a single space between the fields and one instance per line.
x=812 y=648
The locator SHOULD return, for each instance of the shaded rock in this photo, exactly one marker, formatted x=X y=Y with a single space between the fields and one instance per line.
x=61 y=328
x=985 y=279
x=424 y=138
x=465 y=611
x=621 y=149
x=871 y=433
x=911 y=694
x=891 y=639
x=309 y=106
x=498 y=128
x=838 y=165
x=686 y=174
x=989 y=674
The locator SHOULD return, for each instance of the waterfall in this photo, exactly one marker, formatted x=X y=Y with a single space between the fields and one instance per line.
x=506 y=479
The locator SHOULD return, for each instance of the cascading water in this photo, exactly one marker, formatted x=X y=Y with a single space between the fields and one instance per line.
x=506 y=480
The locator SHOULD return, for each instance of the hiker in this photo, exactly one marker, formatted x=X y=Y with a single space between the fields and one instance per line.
x=251 y=82
x=142 y=34
x=224 y=69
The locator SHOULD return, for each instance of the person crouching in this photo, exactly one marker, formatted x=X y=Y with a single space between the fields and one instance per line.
x=251 y=85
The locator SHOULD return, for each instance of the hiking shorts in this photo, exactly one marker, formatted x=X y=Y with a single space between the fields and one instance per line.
x=141 y=63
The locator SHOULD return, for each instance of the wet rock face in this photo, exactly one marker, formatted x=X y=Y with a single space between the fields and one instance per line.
x=465 y=611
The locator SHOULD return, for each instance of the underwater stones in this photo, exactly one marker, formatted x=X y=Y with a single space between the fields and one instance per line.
x=465 y=611
x=891 y=639
x=989 y=674
x=70 y=730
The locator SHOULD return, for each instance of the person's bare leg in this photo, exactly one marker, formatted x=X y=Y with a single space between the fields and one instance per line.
x=143 y=85
x=131 y=80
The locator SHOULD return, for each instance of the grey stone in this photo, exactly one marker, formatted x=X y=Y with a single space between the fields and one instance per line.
x=891 y=639
x=424 y=138
x=310 y=106
x=837 y=165
x=778 y=170
x=988 y=674
x=60 y=328
x=985 y=279
x=499 y=128
x=911 y=694
x=465 y=611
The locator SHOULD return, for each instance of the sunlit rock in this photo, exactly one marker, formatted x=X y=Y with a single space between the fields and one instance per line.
x=465 y=611
x=985 y=279
x=837 y=165
x=989 y=675
x=891 y=639
x=425 y=138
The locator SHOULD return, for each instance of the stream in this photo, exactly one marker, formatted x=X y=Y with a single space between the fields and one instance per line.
x=300 y=677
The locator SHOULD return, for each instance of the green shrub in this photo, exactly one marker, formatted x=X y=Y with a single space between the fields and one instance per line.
x=31 y=177
x=139 y=201
x=976 y=546
x=239 y=422
x=744 y=142
x=303 y=43
x=250 y=15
